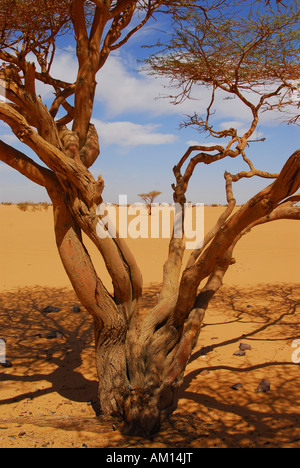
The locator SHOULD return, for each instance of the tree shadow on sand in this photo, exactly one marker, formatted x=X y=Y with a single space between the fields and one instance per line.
x=210 y=413
x=266 y=317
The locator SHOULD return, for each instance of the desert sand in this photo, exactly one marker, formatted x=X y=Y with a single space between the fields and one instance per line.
x=48 y=398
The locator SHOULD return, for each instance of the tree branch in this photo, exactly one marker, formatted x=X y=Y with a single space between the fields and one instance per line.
x=284 y=211
x=91 y=150
x=220 y=223
x=77 y=263
x=258 y=207
x=26 y=166
x=24 y=96
x=120 y=7
x=60 y=99
x=81 y=34
x=55 y=159
x=253 y=171
x=113 y=252
x=118 y=259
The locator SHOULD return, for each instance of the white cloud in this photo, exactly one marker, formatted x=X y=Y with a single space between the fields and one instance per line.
x=129 y=134
x=237 y=124
x=202 y=143
x=6 y=136
x=9 y=138
x=64 y=67
x=241 y=127
x=122 y=89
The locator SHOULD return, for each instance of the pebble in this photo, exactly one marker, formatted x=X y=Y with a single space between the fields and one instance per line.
x=239 y=353
x=50 y=309
x=54 y=334
x=245 y=347
x=264 y=386
x=242 y=349
x=237 y=386
x=129 y=387
x=7 y=364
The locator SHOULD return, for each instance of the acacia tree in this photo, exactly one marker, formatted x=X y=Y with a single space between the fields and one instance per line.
x=140 y=358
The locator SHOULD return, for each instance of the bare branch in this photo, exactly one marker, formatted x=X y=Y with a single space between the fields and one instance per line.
x=91 y=149
x=220 y=223
x=281 y=212
x=121 y=6
x=50 y=155
x=135 y=29
x=77 y=262
x=253 y=171
x=24 y=96
x=259 y=206
x=81 y=34
x=60 y=99
x=291 y=201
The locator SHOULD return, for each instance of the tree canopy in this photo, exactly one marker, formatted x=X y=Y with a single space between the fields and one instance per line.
x=149 y=198
x=241 y=50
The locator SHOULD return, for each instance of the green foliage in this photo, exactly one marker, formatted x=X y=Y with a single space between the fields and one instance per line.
x=237 y=47
x=234 y=45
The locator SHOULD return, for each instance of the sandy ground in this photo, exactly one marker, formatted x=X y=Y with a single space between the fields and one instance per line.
x=48 y=398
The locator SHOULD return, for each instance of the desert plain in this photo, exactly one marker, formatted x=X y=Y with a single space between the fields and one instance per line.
x=48 y=397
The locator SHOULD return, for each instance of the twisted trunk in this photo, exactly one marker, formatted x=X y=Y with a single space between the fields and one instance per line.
x=140 y=367
x=138 y=358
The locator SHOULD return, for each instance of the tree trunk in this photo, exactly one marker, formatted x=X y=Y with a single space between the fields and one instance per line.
x=141 y=366
x=130 y=378
x=135 y=353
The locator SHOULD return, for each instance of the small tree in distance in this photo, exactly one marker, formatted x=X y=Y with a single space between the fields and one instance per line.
x=149 y=198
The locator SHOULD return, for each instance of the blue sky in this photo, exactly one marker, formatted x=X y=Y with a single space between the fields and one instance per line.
x=140 y=137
